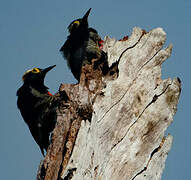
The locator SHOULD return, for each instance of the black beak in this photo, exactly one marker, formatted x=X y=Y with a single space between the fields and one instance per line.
x=85 y=17
x=44 y=71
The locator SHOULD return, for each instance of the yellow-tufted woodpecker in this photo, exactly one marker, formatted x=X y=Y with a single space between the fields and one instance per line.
x=37 y=106
x=82 y=45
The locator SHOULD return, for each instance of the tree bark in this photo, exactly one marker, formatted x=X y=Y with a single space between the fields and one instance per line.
x=111 y=126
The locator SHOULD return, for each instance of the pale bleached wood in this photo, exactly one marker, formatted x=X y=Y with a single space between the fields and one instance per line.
x=122 y=138
x=127 y=127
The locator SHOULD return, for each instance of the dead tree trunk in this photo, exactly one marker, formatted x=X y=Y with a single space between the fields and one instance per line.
x=112 y=126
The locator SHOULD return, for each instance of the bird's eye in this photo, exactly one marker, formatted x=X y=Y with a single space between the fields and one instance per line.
x=35 y=70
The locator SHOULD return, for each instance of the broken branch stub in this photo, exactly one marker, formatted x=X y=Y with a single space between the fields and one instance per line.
x=112 y=125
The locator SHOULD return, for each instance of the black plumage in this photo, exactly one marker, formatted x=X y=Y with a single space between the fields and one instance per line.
x=81 y=46
x=37 y=106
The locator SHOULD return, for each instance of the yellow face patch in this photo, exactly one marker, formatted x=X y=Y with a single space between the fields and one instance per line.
x=34 y=70
x=73 y=25
x=76 y=22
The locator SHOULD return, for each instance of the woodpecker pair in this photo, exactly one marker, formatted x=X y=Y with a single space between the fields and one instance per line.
x=82 y=45
x=37 y=106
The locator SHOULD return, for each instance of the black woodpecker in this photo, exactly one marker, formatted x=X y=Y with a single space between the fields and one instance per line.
x=37 y=106
x=82 y=45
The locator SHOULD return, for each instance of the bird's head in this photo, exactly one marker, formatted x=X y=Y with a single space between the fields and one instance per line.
x=36 y=75
x=79 y=23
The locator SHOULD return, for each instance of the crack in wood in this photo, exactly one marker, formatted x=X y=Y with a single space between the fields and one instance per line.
x=70 y=142
x=134 y=78
x=153 y=101
x=126 y=90
x=143 y=33
x=152 y=154
x=117 y=62
x=70 y=173
x=149 y=59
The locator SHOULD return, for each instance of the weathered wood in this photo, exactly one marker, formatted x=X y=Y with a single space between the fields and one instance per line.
x=112 y=125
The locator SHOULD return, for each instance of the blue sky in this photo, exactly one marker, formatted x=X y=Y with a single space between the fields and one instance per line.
x=31 y=33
